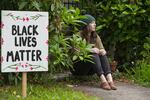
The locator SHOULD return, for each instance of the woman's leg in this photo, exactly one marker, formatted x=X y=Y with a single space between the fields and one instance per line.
x=81 y=68
x=110 y=81
x=97 y=67
x=107 y=71
x=88 y=68
x=105 y=64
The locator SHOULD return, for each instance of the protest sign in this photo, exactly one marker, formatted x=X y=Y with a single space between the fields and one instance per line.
x=24 y=41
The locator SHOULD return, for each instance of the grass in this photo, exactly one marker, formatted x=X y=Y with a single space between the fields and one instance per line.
x=140 y=74
x=50 y=91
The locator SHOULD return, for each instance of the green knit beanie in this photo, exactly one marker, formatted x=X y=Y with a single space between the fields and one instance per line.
x=88 y=19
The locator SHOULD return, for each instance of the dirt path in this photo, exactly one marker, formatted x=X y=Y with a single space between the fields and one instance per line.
x=125 y=91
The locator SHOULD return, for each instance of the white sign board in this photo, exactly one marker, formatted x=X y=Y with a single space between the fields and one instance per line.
x=24 y=41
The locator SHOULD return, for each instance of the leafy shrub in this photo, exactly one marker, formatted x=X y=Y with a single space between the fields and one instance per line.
x=141 y=73
x=123 y=26
x=62 y=24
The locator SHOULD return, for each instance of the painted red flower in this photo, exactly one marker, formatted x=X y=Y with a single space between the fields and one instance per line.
x=46 y=42
x=22 y=66
x=24 y=19
x=26 y=65
x=27 y=19
x=31 y=68
x=16 y=67
x=47 y=58
x=1 y=25
x=1 y=41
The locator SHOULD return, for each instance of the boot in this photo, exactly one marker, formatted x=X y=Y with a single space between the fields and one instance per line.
x=105 y=86
x=112 y=85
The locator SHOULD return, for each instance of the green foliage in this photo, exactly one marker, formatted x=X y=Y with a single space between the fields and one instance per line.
x=64 y=51
x=50 y=92
x=9 y=78
x=80 y=49
x=61 y=41
x=9 y=5
x=62 y=24
x=140 y=74
x=123 y=25
x=146 y=51
x=58 y=53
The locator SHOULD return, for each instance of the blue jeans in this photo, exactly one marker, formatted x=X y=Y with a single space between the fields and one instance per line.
x=99 y=66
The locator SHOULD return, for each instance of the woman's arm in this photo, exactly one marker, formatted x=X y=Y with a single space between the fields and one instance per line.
x=99 y=43
x=97 y=51
x=100 y=46
x=102 y=52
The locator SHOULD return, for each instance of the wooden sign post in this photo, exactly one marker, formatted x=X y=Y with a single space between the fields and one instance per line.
x=25 y=43
x=24 y=84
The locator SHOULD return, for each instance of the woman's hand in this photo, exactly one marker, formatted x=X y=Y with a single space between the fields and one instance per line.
x=95 y=50
x=102 y=52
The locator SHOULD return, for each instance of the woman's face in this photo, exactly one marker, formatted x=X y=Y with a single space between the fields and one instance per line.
x=92 y=26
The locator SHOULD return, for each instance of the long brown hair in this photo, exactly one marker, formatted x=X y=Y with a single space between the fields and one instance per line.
x=90 y=37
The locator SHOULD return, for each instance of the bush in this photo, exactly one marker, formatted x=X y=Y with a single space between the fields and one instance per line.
x=140 y=74
x=62 y=24
x=123 y=26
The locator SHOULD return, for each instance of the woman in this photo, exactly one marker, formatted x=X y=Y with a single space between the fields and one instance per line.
x=101 y=65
